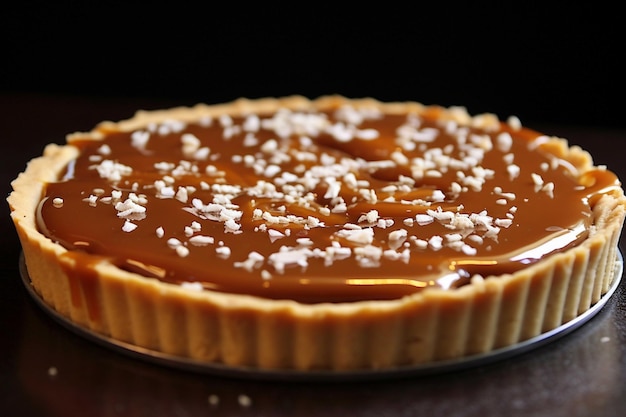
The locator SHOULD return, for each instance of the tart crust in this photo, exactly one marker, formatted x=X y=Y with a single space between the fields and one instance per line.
x=240 y=330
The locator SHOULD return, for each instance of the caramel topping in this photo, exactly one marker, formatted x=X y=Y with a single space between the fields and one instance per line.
x=344 y=205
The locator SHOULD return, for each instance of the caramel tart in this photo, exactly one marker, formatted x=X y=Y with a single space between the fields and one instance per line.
x=328 y=234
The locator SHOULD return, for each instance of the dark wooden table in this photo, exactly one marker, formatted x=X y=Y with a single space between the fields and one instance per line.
x=47 y=370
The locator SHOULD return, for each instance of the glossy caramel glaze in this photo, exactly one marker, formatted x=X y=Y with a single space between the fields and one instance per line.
x=344 y=205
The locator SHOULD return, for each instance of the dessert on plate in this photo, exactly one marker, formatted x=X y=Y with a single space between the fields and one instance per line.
x=327 y=234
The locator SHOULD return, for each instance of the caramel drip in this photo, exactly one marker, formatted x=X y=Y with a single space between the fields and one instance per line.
x=320 y=207
x=83 y=281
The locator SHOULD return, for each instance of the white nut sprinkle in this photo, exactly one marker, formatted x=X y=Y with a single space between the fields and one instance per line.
x=182 y=251
x=223 y=251
x=173 y=242
x=504 y=142
x=200 y=240
x=548 y=189
x=128 y=226
x=514 y=122
x=513 y=171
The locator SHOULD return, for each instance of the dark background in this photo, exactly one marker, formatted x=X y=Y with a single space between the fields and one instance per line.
x=544 y=64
